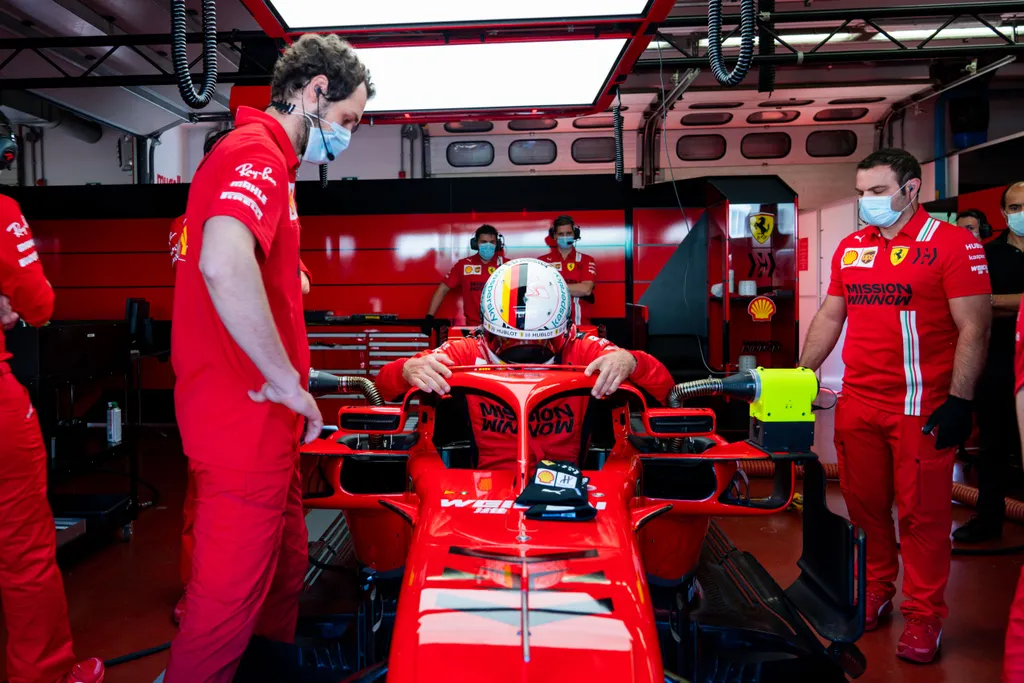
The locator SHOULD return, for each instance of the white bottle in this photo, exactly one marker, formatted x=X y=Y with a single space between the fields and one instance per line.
x=113 y=423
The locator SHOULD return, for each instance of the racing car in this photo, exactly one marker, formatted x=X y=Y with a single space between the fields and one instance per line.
x=461 y=584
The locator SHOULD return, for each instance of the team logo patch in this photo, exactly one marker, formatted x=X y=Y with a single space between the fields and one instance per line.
x=556 y=266
x=868 y=255
x=471 y=270
x=570 y=267
x=761 y=309
x=490 y=270
x=545 y=476
x=762 y=225
x=850 y=256
x=897 y=255
x=293 y=209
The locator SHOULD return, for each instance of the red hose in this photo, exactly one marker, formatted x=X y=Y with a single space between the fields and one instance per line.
x=962 y=493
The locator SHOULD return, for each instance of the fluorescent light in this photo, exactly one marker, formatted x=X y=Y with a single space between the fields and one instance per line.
x=945 y=34
x=565 y=73
x=300 y=15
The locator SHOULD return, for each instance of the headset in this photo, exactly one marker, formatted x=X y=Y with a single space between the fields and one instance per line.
x=8 y=144
x=563 y=219
x=984 y=229
x=474 y=243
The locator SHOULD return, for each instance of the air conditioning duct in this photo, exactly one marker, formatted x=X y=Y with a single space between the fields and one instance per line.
x=55 y=116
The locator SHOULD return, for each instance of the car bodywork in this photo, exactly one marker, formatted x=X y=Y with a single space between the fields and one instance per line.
x=648 y=590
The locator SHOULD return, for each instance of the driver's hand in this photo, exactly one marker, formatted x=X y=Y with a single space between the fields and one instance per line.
x=299 y=400
x=612 y=369
x=428 y=373
x=8 y=318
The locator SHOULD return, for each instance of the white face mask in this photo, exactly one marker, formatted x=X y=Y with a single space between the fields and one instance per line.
x=878 y=211
x=1015 y=221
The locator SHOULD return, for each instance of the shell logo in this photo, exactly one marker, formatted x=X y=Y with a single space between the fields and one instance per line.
x=545 y=476
x=850 y=257
x=761 y=309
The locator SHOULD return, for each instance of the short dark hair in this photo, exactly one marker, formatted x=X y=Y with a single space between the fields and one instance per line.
x=563 y=220
x=976 y=214
x=487 y=230
x=213 y=138
x=1002 y=200
x=312 y=55
x=902 y=163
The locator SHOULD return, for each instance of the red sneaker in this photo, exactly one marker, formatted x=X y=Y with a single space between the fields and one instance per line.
x=876 y=608
x=920 y=640
x=179 y=610
x=89 y=671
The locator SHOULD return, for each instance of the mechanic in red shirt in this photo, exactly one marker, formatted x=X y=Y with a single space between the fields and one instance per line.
x=39 y=648
x=579 y=270
x=915 y=294
x=178 y=242
x=526 y=320
x=241 y=357
x=470 y=274
x=1013 y=653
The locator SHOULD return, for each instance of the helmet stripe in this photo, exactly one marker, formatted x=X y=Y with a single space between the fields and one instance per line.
x=521 y=296
x=506 y=296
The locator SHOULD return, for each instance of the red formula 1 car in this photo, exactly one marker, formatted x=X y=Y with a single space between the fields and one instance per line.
x=459 y=585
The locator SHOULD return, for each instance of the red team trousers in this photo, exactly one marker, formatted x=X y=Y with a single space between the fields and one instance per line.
x=31 y=589
x=884 y=456
x=249 y=564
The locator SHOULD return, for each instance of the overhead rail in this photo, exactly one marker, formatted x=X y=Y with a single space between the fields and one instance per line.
x=773 y=25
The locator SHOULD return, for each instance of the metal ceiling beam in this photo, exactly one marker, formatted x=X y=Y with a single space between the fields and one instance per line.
x=125 y=81
x=842 y=57
x=853 y=13
x=52 y=42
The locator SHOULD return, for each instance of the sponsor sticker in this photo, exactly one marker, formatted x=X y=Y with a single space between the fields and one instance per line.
x=245 y=199
x=761 y=309
x=973 y=245
x=980 y=269
x=18 y=229
x=570 y=266
x=247 y=171
x=471 y=270
x=867 y=256
x=850 y=257
x=897 y=255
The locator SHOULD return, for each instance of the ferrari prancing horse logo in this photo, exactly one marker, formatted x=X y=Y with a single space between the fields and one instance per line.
x=898 y=254
x=570 y=267
x=762 y=225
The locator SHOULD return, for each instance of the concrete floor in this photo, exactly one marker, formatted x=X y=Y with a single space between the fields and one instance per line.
x=120 y=595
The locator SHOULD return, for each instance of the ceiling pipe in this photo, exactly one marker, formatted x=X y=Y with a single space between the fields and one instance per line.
x=55 y=116
x=656 y=115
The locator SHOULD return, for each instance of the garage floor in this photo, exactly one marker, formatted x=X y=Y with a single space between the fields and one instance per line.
x=120 y=595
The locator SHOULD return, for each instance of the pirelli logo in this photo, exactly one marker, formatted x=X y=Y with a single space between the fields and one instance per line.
x=879 y=294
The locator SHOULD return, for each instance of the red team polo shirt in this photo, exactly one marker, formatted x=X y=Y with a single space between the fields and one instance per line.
x=470 y=274
x=900 y=336
x=575 y=268
x=21 y=274
x=249 y=176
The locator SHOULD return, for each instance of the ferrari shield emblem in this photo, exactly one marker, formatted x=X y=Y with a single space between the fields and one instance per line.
x=570 y=267
x=762 y=225
x=490 y=270
x=897 y=255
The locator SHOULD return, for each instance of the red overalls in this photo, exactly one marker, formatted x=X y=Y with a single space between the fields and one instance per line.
x=1013 y=659
x=900 y=343
x=574 y=268
x=250 y=535
x=31 y=589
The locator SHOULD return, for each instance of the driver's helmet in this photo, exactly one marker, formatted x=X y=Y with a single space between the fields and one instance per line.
x=524 y=310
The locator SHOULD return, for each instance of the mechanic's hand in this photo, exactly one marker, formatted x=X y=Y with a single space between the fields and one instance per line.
x=954 y=420
x=428 y=373
x=427 y=327
x=299 y=400
x=8 y=318
x=612 y=368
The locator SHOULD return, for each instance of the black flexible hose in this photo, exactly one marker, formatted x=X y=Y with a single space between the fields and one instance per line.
x=701 y=387
x=179 y=54
x=748 y=14
x=617 y=119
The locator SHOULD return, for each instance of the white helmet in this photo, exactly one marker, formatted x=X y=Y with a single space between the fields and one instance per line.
x=524 y=302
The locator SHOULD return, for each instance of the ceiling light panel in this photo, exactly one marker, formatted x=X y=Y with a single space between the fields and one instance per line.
x=491 y=76
x=304 y=15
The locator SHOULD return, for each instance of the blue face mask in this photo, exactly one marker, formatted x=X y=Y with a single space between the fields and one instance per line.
x=321 y=141
x=878 y=211
x=1016 y=223
x=487 y=250
x=566 y=242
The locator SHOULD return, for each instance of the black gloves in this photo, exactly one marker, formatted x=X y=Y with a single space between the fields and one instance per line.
x=954 y=420
x=428 y=325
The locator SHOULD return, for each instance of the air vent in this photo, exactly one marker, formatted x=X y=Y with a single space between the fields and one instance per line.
x=841 y=115
x=776 y=116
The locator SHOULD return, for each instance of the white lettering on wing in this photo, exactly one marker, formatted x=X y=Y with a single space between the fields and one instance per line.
x=247 y=171
x=238 y=197
x=31 y=258
x=256 y=192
